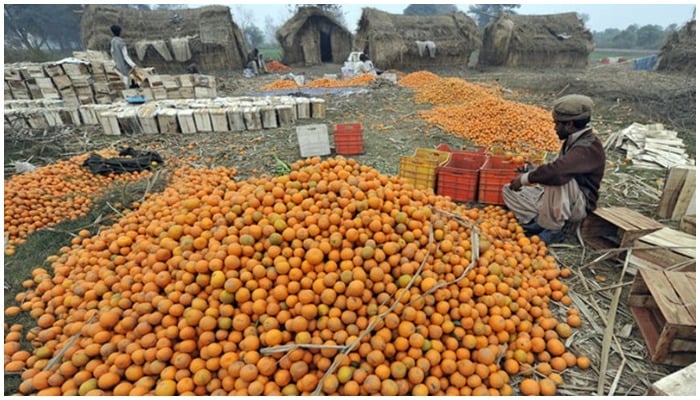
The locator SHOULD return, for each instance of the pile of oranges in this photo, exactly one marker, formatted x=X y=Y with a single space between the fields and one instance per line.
x=481 y=115
x=52 y=194
x=333 y=279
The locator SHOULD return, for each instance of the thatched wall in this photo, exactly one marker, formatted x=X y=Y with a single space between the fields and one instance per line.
x=556 y=40
x=215 y=43
x=678 y=53
x=313 y=36
x=390 y=39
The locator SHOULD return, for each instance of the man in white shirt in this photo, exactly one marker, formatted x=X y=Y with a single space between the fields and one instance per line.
x=120 y=55
x=364 y=66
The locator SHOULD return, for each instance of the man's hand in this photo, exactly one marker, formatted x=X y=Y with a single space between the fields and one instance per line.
x=515 y=184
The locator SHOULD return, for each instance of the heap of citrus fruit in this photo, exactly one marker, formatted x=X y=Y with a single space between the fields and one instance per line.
x=332 y=279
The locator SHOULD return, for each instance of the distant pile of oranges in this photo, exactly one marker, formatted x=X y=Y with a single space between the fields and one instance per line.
x=333 y=279
x=54 y=193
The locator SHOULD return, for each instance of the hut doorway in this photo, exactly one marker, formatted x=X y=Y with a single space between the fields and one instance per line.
x=326 y=48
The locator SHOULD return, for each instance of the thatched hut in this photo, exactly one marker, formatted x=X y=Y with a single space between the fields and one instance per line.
x=678 y=53
x=313 y=36
x=169 y=40
x=416 y=41
x=556 y=40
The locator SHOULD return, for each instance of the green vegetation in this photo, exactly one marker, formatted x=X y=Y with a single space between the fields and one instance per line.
x=271 y=53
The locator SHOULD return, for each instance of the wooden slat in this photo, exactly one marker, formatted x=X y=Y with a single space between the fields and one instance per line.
x=687 y=224
x=684 y=284
x=676 y=241
x=675 y=178
x=675 y=384
x=627 y=219
x=666 y=298
x=686 y=194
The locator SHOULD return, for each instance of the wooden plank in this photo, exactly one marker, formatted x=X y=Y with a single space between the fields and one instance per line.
x=691 y=206
x=684 y=284
x=684 y=196
x=666 y=298
x=687 y=224
x=675 y=178
x=675 y=384
x=676 y=241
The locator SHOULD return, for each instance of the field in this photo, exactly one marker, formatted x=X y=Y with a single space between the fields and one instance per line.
x=392 y=128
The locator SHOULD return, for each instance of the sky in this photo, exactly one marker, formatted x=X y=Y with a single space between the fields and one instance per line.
x=601 y=16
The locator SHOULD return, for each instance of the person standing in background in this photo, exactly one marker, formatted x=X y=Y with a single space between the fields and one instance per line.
x=120 y=55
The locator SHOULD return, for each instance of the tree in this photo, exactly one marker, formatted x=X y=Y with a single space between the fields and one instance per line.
x=37 y=27
x=650 y=37
x=626 y=39
x=429 y=9
x=484 y=13
x=254 y=36
x=271 y=28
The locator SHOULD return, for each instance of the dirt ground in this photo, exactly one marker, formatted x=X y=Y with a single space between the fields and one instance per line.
x=392 y=128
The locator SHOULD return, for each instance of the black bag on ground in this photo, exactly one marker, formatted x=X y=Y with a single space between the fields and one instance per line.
x=137 y=160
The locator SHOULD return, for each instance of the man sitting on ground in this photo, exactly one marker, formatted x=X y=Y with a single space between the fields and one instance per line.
x=567 y=189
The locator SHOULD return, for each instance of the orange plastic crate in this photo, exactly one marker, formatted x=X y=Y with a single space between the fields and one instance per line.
x=459 y=178
x=421 y=169
x=496 y=172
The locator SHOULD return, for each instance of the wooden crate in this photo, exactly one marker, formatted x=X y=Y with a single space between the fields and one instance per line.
x=675 y=384
x=664 y=249
x=663 y=305
x=616 y=227
x=678 y=197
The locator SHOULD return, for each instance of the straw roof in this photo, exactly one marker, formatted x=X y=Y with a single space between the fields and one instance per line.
x=678 y=53
x=313 y=36
x=390 y=39
x=555 y=40
x=214 y=41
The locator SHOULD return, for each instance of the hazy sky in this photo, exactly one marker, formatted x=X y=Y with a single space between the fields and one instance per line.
x=601 y=16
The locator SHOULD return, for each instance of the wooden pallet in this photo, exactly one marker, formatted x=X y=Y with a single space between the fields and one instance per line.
x=616 y=227
x=663 y=305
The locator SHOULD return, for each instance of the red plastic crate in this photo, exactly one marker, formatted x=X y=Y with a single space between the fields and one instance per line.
x=348 y=138
x=459 y=178
x=349 y=144
x=348 y=127
x=496 y=172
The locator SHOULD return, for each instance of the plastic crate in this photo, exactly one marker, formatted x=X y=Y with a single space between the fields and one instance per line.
x=421 y=169
x=349 y=144
x=313 y=140
x=459 y=178
x=348 y=138
x=348 y=127
x=496 y=172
